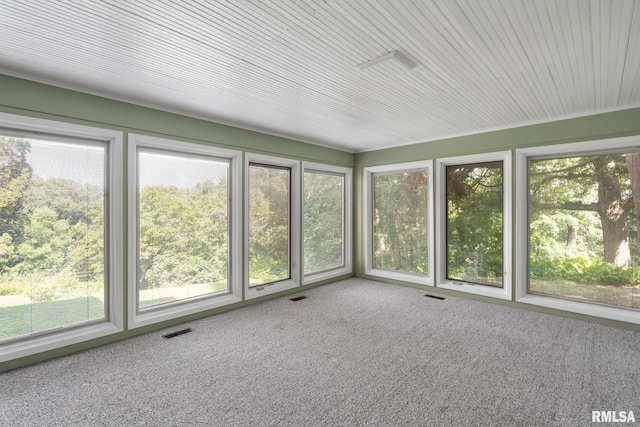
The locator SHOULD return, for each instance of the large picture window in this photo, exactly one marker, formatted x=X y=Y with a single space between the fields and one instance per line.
x=59 y=213
x=183 y=211
x=272 y=224
x=582 y=222
x=399 y=222
x=326 y=221
x=474 y=219
x=52 y=234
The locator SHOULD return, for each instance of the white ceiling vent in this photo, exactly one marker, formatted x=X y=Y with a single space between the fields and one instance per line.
x=391 y=63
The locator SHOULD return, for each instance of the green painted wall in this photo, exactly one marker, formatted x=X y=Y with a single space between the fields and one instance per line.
x=23 y=97
x=600 y=126
x=28 y=98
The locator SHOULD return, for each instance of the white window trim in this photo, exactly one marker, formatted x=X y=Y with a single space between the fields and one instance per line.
x=295 y=227
x=505 y=292
x=115 y=318
x=426 y=279
x=347 y=266
x=138 y=318
x=575 y=306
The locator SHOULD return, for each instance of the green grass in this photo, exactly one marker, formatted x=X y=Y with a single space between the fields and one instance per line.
x=167 y=294
x=31 y=318
x=627 y=296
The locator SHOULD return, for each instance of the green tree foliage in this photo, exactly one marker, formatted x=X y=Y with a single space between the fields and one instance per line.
x=15 y=174
x=323 y=225
x=269 y=217
x=183 y=235
x=474 y=223
x=400 y=222
x=87 y=253
x=46 y=245
x=70 y=200
x=583 y=220
x=576 y=190
x=52 y=245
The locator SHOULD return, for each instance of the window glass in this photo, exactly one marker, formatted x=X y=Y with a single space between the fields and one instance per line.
x=183 y=217
x=474 y=198
x=400 y=227
x=52 y=235
x=583 y=228
x=269 y=224
x=323 y=221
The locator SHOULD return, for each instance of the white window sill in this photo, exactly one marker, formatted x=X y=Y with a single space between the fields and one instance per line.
x=270 y=288
x=179 y=309
x=38 y=344
x=470 y=288
x=402 y=276
x=583 y=307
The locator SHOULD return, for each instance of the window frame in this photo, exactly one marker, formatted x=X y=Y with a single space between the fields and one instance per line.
x=138 y=318
x=347 y=266
x=114 y=306
x=505 y=292
x=585 y=307
x=369 y=269
x=295 y=245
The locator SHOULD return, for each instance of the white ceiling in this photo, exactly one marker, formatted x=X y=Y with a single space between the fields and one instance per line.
x=290 y=67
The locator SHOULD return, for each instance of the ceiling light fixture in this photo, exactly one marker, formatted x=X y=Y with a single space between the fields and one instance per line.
x=394 y=55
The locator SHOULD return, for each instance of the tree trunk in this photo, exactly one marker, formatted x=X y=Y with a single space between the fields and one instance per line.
x=572 y=236
x=633 y=166
x=616 y=242
x=613 y=215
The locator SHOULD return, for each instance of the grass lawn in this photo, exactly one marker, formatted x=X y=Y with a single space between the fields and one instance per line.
x=627 y=296
x=20 y=316
x=30 y=318
x=157 y=296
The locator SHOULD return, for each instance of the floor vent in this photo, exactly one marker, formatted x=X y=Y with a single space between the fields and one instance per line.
x=434 y=297
x=177 y=333
x=301 y=297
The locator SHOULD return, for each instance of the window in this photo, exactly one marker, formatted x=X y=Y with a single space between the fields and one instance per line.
x=399 y=222
x=326 y=221
x=272 y=224
x=59 y=213
x=182 y=215
x=580 y=216
x=475 y=223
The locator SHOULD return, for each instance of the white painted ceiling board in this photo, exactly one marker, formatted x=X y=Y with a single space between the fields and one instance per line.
x=290 y=67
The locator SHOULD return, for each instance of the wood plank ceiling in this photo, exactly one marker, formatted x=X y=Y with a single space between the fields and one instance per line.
x=290 y=67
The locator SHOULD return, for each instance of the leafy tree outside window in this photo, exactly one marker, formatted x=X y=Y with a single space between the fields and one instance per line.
x=474 y=222
x=52 y=235
x=183 y=210
x=583 y=227
x=323 y=221
x=400 y=221
x=269 y=224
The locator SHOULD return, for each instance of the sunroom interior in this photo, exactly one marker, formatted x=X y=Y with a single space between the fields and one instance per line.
x=158 y=168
